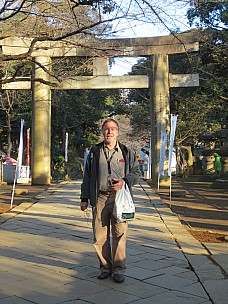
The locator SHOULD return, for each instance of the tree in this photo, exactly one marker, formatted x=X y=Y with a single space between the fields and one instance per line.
x=14 y=105
x=200 y=110
x=70 y=20
x=213 y=15
x=212 y=19
x=76 y=22
x=79 y=113
x=41 y=20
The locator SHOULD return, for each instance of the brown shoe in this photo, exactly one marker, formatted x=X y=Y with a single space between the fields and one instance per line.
x=118 y=278
x=103 y=275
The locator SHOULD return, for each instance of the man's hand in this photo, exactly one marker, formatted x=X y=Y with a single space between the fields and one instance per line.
x=84 y=205
x=117 y=184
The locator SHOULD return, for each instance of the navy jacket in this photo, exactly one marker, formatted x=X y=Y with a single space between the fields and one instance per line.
x=89 y=187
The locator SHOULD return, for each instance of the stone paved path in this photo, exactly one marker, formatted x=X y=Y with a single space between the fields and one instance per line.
x=47 y=257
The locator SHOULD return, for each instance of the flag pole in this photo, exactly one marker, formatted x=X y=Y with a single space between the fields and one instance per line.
x=170 y=190
x=14 y=184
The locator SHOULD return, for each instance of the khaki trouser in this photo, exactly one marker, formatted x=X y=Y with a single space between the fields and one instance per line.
x=111 y=258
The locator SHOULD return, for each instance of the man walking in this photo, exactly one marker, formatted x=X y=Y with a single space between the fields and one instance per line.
x=109 y=165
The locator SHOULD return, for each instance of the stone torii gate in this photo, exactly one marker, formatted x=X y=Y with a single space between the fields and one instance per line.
x=41 y=83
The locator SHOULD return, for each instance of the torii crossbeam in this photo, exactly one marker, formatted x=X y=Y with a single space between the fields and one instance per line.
x=101 y=51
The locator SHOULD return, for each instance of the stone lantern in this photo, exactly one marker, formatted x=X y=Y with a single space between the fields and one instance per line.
x=208 y=157
x=222 y=135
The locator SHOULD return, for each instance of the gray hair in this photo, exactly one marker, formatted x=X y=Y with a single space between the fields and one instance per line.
x=110 y=120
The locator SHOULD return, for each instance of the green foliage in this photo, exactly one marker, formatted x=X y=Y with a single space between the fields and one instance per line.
x=79 y=113
x=59 y=164
x=201 y=110
x=58 y=171
x=209 y=14
x=19 y=68
x=14 y=106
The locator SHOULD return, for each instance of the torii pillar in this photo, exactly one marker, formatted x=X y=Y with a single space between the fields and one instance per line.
x=160 y=108
x=41 y=128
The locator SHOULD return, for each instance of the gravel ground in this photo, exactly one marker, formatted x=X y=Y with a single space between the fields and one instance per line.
x=200 y=206
x=23 y=193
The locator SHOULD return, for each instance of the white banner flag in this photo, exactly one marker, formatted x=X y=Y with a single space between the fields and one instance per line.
x=162 y=152
x=66 y=148
x=171 y=142
x=19 y=162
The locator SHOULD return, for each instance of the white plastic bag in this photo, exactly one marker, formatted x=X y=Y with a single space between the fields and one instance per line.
x=124 y=208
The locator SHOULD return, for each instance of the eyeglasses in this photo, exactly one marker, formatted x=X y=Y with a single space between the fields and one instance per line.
x=110 y=129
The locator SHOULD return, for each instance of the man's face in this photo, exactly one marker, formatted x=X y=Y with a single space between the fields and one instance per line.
x=110 y=132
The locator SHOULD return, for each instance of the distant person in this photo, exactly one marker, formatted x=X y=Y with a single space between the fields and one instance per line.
x=86 y=153
x=217 y=163
x=109 y=165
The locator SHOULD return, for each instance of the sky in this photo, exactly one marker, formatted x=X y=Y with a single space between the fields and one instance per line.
x=174 y=14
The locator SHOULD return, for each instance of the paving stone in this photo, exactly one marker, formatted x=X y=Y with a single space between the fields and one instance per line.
x=140 y=289
x=84 y=272
x=76 y=259
x=187 y=275
x=152 y=257
x=180 y=261
x=3 y=295
x=191 y=247
x=175 y=253
x=14 y=300
x=139 y=273
x=217 y=248
x=204 y=267
x=64 y=293
x=169 y=282
x=135 y=250
x=47 y=256
x=13 y=253
x=144 y=301
x=219 y=253
x=222 y=260
x=151 y=265
x=76 y=302
x=217 y=289
x=133 y=259
x=175 y=297
x=9 y=278
x=110 y=283
x=177 y=271
x=21 y=287
x=112 y=296
x=195 y=289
